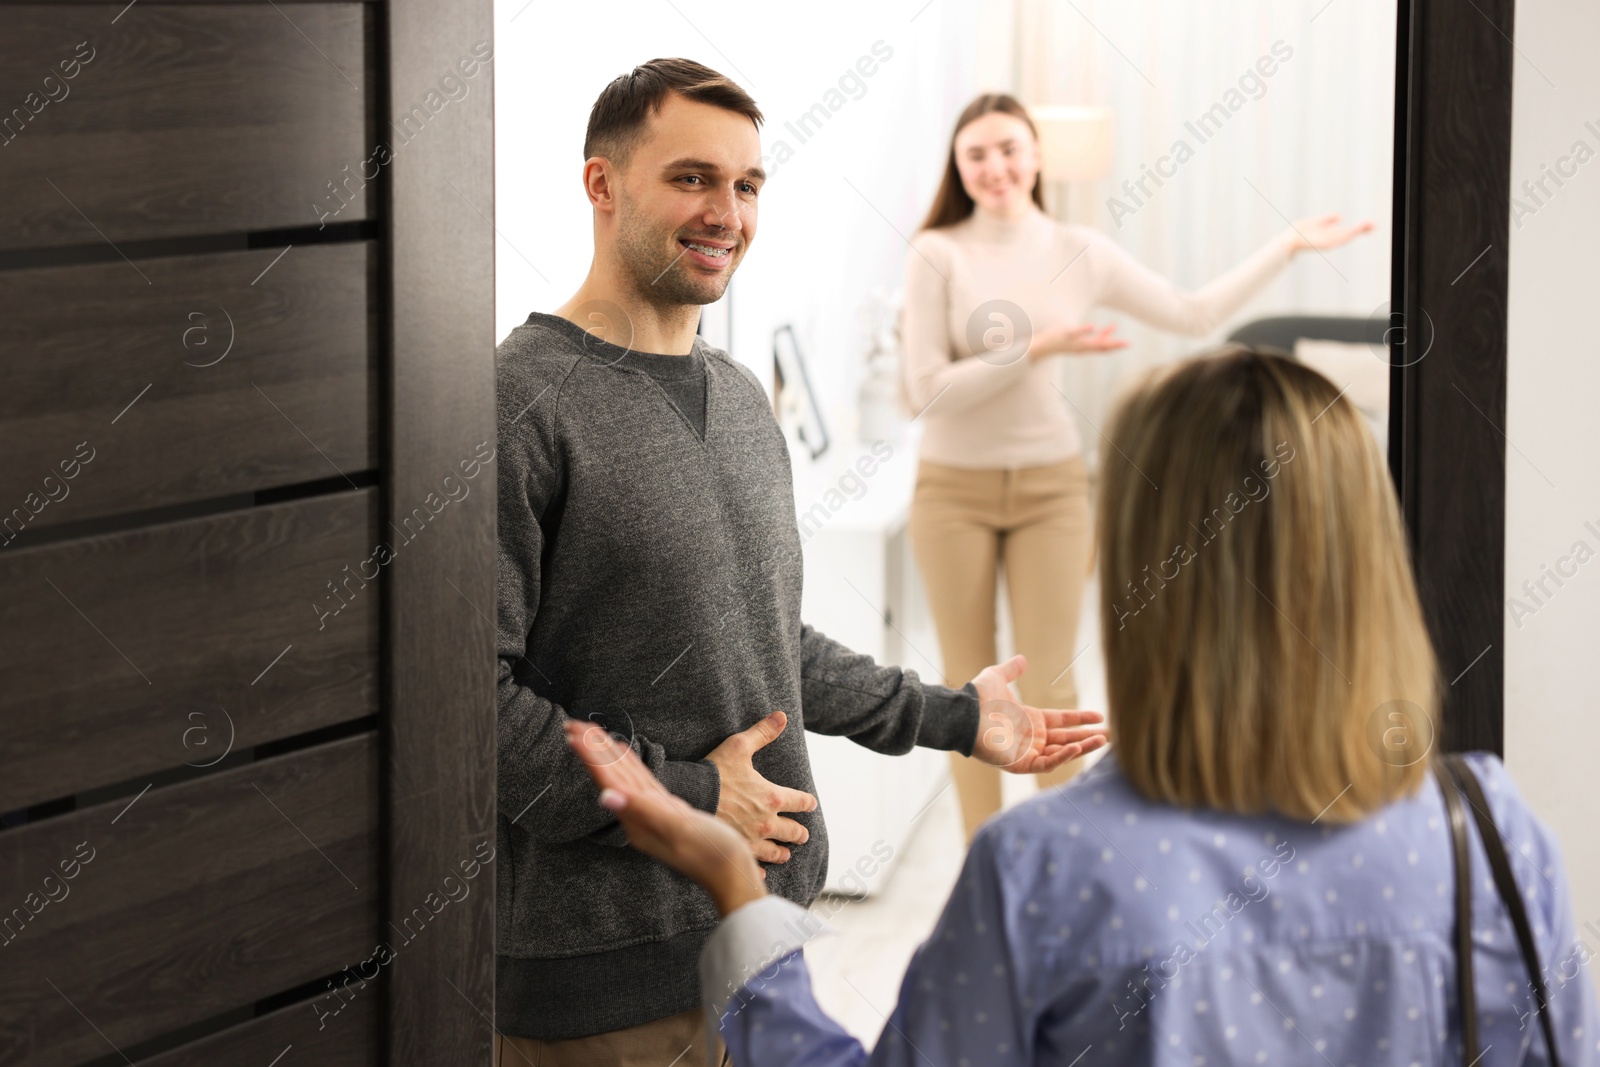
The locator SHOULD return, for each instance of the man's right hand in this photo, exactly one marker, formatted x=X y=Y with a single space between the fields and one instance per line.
x=749 y=802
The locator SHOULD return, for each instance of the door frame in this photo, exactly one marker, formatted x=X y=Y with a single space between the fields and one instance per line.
x=438 y=721
x=1447 y=337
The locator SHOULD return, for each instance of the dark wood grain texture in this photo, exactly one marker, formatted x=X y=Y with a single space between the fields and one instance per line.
x=230 y=373
x=193 y=899
x=348 y=1040
x=134 y=652
x=176 y=120
x=1452 y=209
x=440 y=702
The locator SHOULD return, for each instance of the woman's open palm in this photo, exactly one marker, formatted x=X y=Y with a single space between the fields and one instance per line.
x=1087 y=339
x=1323 y=232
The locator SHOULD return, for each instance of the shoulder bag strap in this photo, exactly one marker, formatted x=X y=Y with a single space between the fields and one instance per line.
x=1461 y=856
x=1506 y=883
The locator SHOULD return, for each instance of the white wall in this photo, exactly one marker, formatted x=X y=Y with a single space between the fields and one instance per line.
x=1552 y=689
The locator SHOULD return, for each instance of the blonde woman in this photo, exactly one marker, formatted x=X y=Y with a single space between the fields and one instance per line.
x=995 y=289
x=1260 y=870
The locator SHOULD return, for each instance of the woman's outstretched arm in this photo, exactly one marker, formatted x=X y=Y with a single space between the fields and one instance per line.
x=1128 y=285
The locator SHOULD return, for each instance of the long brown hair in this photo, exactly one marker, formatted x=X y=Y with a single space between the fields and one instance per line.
x=952 y=204
x=1265 y=647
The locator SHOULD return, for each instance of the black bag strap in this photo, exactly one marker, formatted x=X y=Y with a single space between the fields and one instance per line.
x=1506 y=884
x=1461 y=856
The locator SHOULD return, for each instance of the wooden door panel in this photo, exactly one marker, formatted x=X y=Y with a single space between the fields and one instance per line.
x=153 y=648
x=348 y=1040
x=187 y=901
x=180 y=120
x=232 y=372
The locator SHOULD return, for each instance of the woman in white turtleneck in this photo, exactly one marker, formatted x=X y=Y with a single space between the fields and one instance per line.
x=994 y=289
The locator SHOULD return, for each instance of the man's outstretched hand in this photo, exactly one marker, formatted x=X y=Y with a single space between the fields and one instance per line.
x=668 y=827
x=1023 y=739
x=749 y=803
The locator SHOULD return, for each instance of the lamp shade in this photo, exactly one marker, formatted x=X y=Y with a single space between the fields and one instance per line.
x=1075 y=141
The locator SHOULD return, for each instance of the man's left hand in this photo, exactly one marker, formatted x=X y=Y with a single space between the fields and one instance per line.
x=1023 y=739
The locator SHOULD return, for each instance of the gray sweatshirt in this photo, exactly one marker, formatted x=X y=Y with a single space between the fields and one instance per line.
x=649 y=581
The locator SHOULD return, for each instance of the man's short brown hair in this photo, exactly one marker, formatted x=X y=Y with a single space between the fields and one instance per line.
x=623 y=107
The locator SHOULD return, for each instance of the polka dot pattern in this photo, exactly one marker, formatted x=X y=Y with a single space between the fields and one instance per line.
x=1095 y=920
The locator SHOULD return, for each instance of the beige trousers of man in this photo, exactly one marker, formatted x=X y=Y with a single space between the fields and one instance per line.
x=1033 y=522
x=678 y=1040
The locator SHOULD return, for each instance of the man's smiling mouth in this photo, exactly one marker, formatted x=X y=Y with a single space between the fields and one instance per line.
x=706 y=250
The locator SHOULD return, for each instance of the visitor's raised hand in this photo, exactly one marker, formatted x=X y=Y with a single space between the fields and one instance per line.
x=666 y=826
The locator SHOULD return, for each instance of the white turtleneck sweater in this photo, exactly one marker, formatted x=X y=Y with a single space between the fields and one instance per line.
x=999 y=409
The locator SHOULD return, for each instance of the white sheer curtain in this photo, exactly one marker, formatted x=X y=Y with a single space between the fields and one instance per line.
x=1314 y=136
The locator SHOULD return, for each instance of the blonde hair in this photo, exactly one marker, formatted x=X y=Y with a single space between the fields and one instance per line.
x=1265 y=648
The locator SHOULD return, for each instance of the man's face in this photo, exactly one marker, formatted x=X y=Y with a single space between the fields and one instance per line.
x=686 y=202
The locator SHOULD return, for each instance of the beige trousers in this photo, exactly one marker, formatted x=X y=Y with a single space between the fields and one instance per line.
x=967 y=526
x=679 y=1040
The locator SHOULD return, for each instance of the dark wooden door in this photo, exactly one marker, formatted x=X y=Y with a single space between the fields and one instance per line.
x=246 y=533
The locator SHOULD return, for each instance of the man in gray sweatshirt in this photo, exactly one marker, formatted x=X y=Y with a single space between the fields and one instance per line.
x=649 y=577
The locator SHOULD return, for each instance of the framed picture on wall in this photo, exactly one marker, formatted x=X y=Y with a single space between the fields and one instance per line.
x=793 y=400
